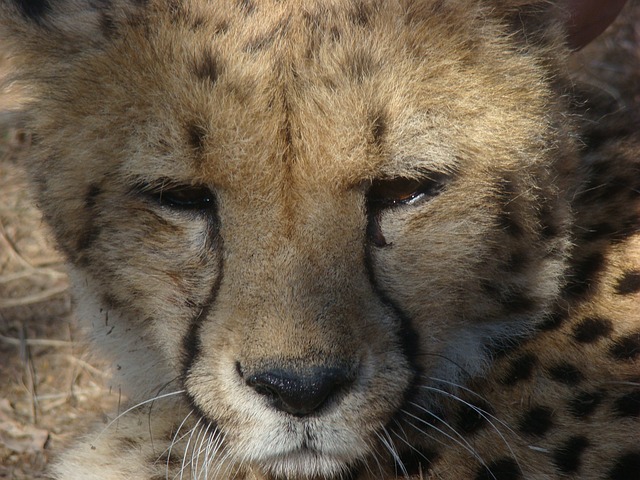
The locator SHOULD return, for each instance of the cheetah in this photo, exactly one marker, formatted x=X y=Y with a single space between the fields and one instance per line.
x=341 y=239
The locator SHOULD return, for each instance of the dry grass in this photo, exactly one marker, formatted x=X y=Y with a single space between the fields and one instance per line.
x=50 y=388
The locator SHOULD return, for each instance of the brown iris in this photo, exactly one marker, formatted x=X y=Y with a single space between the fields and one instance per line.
x=391 y=193
x=402 y=191
x=177 y=196
x=186 y=197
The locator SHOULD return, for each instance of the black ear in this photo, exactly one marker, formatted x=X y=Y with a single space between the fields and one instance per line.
x=589 y=18
x=572 y=22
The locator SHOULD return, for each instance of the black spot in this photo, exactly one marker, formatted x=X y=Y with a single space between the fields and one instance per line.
x=536 y=421
x=416 y=461
x=90 y=197
x=378 y=128
x=627 y=467
x=592 y=329
x=566 y=457
x=628 y=405
x=501 y=347
x=90 y=230
x=550 y=227
x=553 y=321
x=520 y=369
x=471 y=418
x=503 y=469
x=262 y=42
x=517 y=302
x=34 y=9
x=360 y=65
x=517 y=262
x=196 y=136
x=508 y=223
x=208 y=68
x=629 y=283
x=583 y=275
x=128 y=443
x=176 y=9
x=512 y=300
x=107 y=24
x=111 y=302
x=361 y=13
x=585 y=403
x=247 y=6
x=626 y=348
x=566 y=373
x=221 y=28
x=336 y=34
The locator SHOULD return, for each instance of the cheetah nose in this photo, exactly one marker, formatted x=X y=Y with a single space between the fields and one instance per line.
x=300 y=393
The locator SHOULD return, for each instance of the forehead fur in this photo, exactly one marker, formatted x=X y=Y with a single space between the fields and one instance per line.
x=221 y=92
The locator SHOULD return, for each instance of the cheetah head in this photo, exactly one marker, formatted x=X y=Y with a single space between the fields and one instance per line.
x=312 y=219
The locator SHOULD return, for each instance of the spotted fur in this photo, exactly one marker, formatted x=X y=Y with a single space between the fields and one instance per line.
x=339 y=239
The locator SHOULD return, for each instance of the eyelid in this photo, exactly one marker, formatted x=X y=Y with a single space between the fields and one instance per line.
x=388 y=193
x=177 y=196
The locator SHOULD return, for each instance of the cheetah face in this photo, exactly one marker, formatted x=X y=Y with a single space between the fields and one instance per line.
x=314 y=221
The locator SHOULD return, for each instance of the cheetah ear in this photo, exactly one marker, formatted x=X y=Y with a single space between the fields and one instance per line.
x=577 y=22
x=589 y=18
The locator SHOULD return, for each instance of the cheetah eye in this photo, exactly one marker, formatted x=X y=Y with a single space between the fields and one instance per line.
x=405 y=191
x=186 y=198
x=179 y=197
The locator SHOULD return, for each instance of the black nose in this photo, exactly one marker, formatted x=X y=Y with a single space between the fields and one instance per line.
x=300 y=393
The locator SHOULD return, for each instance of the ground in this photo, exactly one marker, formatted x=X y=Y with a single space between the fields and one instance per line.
x=51 y=387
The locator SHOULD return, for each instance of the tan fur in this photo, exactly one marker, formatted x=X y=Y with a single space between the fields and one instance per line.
x=292 y=115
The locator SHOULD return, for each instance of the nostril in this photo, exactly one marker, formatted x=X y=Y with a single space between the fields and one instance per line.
x=300 y=393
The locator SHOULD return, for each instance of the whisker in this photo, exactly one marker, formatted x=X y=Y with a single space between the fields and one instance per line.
x=388 y=444
x=151 y=400
x=483 y=413
x=222 y=463
x=153 y=449
x=174 y=440
x=462 y=442
x=215 y=443
x=197 y=450
x=404 y=439
x=477 y=395
x=472 y=452
x=186 y=449
x=423 y=432
x=374 y=455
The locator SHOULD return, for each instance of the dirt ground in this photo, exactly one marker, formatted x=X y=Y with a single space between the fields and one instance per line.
x=51 y=387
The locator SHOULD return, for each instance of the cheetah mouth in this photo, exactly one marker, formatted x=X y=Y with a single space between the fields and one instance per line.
x=284 y=455
x=305 y=463
x=308 y=465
